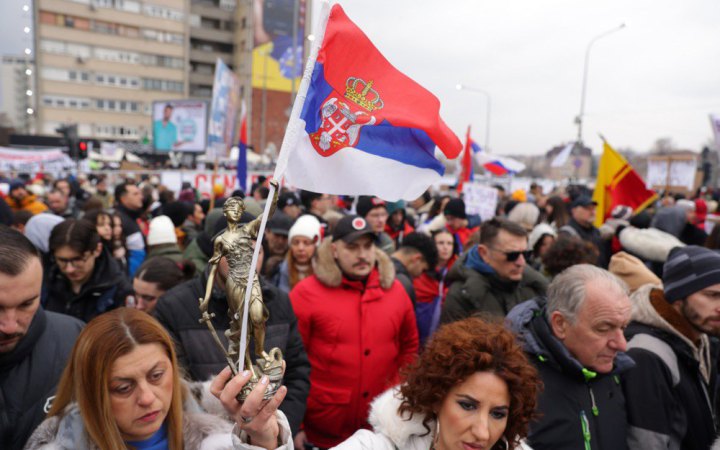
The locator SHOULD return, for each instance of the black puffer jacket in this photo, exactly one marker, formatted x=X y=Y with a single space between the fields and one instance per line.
x=105 y=290
x=671 y=393
x=30 y=373
x=178 y=311
x=579 y=409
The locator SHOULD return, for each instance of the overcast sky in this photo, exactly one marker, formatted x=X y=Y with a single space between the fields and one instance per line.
x=658 y=77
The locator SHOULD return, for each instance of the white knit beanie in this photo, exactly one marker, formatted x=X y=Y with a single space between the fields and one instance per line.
x=307 y=226
x=162 y=231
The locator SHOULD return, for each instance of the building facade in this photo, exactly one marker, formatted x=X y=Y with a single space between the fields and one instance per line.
x=101 y=64
x=18 y=88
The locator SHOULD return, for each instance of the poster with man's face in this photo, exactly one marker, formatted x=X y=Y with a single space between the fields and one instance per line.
x=179 y=126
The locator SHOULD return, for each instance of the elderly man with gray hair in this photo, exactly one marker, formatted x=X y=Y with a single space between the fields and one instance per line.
x=575 y=338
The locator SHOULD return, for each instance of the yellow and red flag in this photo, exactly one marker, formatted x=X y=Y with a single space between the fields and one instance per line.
x=618 y=184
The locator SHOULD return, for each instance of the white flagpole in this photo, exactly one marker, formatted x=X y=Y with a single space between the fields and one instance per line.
x=288 y=145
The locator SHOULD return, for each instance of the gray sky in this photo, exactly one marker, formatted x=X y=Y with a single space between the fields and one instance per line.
x=659 y=77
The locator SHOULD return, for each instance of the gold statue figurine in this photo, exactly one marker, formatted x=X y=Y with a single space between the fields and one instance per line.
x=236 y=244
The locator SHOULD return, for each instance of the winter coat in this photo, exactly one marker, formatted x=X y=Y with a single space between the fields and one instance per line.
x=280 y=276
x=476 y=288
x=134 y=238
x=198 y=353
x=105 y=290
x=357 y=335
x=670 y=394
x=29 y=375
x=203 y=428
x=194 y=251
x=29 y=203
x=578 y=407
x=403 y=276
x=169 y=251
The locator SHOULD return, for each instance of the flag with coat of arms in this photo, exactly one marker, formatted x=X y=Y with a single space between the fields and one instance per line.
x=364 y=127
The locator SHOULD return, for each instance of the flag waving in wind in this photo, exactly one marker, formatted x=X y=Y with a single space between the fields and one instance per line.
x=242 y=149
x=618 y=184
x=365 y=128
x=467 y=173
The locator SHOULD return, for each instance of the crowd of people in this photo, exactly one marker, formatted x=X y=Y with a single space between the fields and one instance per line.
x=402 y=325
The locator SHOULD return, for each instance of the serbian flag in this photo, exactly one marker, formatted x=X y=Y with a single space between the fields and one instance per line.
x=364 y=128
x=242 y=150
x=499 y=165
x=618 y=184
x=467 y=173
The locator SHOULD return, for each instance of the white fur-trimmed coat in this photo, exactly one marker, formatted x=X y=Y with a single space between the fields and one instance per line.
x=205 y=427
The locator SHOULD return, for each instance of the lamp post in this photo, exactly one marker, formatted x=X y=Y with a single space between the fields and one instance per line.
x=579 y=118
x=462 y=87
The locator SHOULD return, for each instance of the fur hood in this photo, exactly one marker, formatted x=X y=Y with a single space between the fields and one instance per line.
x=328 y=272
x=649 y=244
x=384 y=419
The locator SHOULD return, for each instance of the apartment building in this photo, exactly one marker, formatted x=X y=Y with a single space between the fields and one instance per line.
x=17 y=88
x=102 y=63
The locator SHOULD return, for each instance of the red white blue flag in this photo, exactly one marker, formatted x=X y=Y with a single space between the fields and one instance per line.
x=365 y=128
x=467 y=172
x=498 y=165
x=242 y=149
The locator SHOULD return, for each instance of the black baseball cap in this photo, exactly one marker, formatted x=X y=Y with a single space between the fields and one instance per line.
x=280 y=223
x=288 y=199
x=350 y=228
x=583 y=200
x=367 y=203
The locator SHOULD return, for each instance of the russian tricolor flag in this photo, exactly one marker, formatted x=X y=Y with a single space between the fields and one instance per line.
x=499 y=165
x=365 y=128
x=242 y=147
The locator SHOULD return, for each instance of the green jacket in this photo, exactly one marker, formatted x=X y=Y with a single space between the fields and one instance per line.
x=193 y=253
x=475 y=288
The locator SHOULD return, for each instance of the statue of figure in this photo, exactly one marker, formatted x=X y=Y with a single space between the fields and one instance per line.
x=237 y=244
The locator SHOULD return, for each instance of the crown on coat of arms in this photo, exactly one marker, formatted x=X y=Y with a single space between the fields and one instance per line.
x=357 y=90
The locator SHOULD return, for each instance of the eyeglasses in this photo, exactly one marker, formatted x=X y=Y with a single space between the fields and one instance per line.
x=513 y=256
x=75 y=262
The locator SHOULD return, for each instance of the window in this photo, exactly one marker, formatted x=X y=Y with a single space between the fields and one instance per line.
x=85 y=76
x=72 y=75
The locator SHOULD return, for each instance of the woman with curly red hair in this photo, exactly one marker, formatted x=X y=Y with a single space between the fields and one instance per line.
x=472 y=388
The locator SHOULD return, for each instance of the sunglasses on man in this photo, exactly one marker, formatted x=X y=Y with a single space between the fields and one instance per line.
x=513 y=256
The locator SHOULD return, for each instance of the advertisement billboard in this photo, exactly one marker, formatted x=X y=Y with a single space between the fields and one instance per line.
x=179 y=126
x=223 y=112
x=275 y=63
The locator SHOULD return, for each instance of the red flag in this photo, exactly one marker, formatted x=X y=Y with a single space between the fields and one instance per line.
x=466 y=169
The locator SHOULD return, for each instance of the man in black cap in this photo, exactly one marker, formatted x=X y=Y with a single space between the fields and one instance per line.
x=289 y=203
x=456 y=222
x=582 y=216
x=417 y=254
x=670 y=395
x=374 y=210
x=358 y=327
x=275 y=243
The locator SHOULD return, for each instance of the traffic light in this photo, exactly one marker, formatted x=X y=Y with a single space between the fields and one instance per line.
x=70 y=139
x=82 y=148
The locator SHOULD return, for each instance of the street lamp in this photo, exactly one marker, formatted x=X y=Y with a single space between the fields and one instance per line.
x=579 y=118
x=462 y=87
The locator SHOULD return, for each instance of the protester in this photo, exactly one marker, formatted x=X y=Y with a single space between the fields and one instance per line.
x=19 y=219
x=374 y=210
x=431 y=287
x=525 y=214
x=304 y=238
x=493 y=276
x=540 y=239
x=456 y=222
x=576 y=341
x=123 y=389
x=162 y=239
x=358 y=327
x=316 y=205
x=556 y=212
x=130 y=207
x=154 y=278
x=582 y=216
x=289 y=203
x=103 y=223
x=20 y=199
x=199 y=355
x=59 y=204
x=193 y=224
x=34 y=343
x=276 y=236
x=568 y=251
x=670 y=395
x=416 y=255
x=84 y=280
x=397 y=226
x=483 y=400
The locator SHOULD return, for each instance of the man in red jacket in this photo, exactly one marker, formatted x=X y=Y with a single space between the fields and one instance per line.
x=358 y=326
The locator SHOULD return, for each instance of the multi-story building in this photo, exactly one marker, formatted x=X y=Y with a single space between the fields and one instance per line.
x=102 y=63
x=17 y=87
